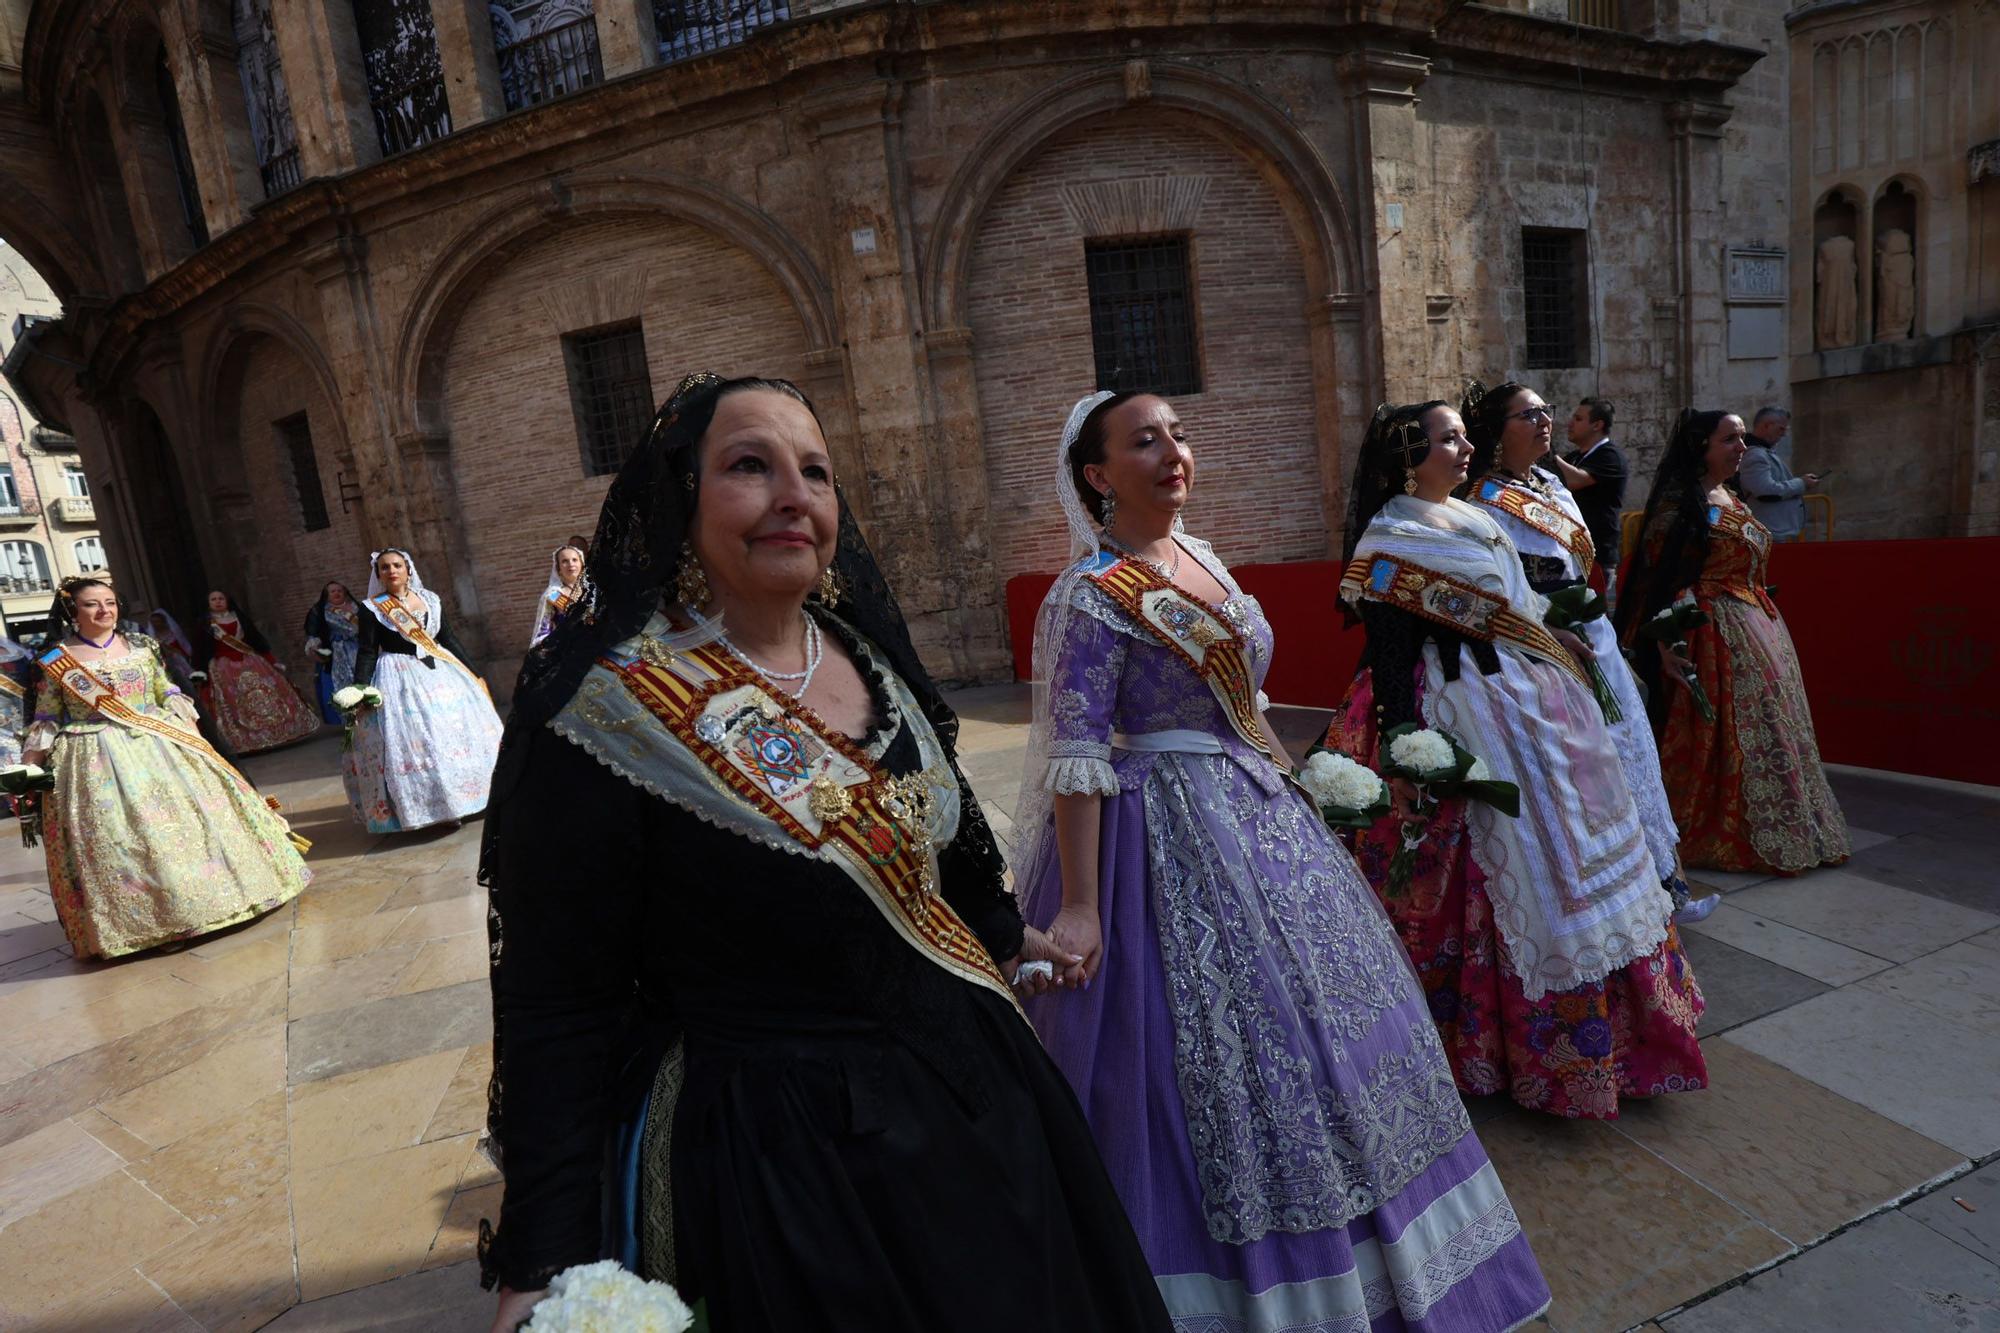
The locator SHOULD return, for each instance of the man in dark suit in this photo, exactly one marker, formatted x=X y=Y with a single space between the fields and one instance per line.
x=1595 y=473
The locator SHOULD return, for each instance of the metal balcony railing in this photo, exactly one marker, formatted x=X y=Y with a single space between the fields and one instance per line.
x=1595 y=13
x=20 y=513
x=546 y=65
x=282 y=173
x=689 y=28
x=10 y=587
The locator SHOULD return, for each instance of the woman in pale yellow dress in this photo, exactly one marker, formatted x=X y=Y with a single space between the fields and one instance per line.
x=151 y=837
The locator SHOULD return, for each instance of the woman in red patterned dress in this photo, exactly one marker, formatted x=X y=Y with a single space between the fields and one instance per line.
x=254 y=706
x=1747 y=788
x=1544 y=942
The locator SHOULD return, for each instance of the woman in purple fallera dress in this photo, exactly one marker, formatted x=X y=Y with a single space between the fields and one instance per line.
x=1249 y=1044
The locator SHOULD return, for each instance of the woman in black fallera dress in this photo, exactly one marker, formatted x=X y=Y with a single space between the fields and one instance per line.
x=755 y=1031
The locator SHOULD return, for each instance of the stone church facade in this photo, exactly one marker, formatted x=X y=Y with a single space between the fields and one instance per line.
x=338 y=274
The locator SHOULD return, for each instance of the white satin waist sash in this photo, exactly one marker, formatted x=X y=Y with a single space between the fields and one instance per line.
x=1177 y=741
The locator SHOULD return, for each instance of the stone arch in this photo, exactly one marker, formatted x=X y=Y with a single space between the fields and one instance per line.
x=1251 y=124
x=505 y=422
x=261 y=376
x=221 y=365
x=527 y=215
x=49 y=243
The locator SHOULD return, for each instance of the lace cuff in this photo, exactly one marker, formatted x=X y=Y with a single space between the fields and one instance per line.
x=182 y=707
x=1082 y=777
x=1263 y=702
x=40 y=736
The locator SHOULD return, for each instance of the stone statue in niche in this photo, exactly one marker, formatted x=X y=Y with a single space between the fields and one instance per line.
x=1895 y=286
x=1834 y=274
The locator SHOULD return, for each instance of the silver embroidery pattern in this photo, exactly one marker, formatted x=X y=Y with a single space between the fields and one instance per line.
x=1280 y=972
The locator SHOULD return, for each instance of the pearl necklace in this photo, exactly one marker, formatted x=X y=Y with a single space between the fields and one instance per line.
x=1165 y=571
x=815 y=653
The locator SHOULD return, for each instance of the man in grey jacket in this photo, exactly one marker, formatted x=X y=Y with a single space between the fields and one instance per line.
x=1765 y=480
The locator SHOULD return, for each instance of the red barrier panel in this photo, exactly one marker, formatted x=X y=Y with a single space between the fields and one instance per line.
x=1896 y=639
x=1897 y=642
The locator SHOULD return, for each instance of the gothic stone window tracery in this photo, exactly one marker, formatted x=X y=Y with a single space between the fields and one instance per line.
x=405 y=73
x=266 y=96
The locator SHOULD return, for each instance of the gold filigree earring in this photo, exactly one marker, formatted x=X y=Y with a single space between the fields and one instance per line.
x=1109 y=508
x=829 y=589
x=691 y=583
x=1409 y=481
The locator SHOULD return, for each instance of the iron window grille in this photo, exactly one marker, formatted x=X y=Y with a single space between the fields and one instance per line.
x=1595 y=13
x=177 y=147
x=1142 y=316
x=1555 y=282
x=611 y=392
x=540 y=66
x=689 y=28
x=405 y=73
x=295 y=438
x=268 y=100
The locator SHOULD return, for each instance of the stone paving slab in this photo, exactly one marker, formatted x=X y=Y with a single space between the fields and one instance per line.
x=1932 y=1075
x=1799 y=950
x=1801 y=1160
x=1888 y=1275
x=1865 y=914
x=1975 y=1224
x=1740 y=986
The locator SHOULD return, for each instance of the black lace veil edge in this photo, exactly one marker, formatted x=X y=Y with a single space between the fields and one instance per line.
x=632 y=563
x=1673 y=543
x=1379 y=472
x=1484 y=411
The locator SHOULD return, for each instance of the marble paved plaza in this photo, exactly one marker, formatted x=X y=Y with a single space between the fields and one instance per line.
x=279 y=1127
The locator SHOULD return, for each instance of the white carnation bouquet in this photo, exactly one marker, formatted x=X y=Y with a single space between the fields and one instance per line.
x=350 y=701
x=1437 y=766
x=1349 y=795
x=606 y=1297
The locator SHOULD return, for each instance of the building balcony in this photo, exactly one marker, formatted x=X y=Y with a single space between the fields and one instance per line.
x=75 y=509
x=20 y=514
x=52 y=441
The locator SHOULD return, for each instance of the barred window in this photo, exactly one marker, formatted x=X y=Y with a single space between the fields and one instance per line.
x=1555 y=281
x=295 y=438
x=689 y=28
x=1142 y=316
x=610 y=391
x=547 y=49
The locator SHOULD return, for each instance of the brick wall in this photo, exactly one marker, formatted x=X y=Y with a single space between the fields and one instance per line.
x=291 y=564
x=1251 y=427
x=703 y=304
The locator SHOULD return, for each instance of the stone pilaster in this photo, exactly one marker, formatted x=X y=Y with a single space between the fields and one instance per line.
x=321 y=53
x=928 y=489
x=217 y=120
x=1696 y=126
x=471 y=68
x=1381 y=85
x=628 y=40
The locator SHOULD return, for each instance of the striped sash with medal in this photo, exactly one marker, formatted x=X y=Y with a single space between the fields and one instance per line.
x=1194 y=631
x=92 y=693
x=413 y=629
x=1455 y=603
x=778 y=758
x=1549 y=519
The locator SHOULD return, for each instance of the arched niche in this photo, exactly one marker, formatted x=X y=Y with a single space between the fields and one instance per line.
x=1897 y=244
x=1836 y=271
